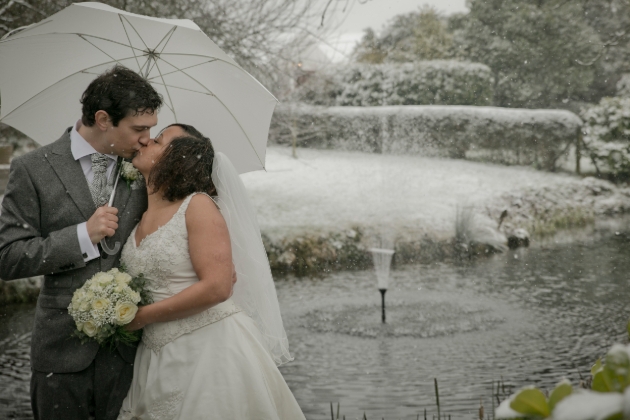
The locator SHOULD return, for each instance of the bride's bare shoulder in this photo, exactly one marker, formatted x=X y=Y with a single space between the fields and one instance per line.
x=201 y=210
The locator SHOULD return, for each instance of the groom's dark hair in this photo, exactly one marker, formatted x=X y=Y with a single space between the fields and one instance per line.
x=120 y=92
x=185 y=167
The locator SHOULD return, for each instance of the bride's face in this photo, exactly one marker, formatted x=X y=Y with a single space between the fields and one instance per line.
x=148 y=155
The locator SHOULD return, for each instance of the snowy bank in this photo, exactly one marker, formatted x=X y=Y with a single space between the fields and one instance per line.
x=502 y=135
x=327 y=190
x=328 y=207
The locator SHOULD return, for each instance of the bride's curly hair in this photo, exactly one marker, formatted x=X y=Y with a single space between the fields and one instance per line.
x=185 y=167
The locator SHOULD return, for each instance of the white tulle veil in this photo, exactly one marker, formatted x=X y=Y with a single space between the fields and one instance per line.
x=254 y=290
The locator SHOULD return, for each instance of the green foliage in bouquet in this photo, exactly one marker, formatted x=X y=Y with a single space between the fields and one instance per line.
x=139 y=284
x=105 y=304
x=110 y=336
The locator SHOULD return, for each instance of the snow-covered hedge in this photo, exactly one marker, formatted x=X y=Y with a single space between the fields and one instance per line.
x=439 y=82
x=623 y=86
x=21 y=144
x=607 y=135
x=502 y=135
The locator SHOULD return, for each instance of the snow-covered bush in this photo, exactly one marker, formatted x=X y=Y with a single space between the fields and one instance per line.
x=623 y=85
x=607 y=135
x=438 y=82
x=503 y=135
x=21 y=144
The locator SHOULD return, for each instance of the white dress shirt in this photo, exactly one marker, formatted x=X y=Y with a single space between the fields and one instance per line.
x=82 y=151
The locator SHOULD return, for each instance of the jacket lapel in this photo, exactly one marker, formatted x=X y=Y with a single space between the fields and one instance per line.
x=71 y=175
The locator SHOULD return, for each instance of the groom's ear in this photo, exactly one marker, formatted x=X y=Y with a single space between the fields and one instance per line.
x=102 y=120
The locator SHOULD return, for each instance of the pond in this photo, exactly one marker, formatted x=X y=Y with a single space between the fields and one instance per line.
x=530 y=316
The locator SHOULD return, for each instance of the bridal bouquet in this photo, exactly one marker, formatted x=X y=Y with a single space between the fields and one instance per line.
x=105 y=304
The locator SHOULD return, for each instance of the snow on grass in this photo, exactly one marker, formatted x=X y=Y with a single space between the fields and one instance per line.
x=332 y=190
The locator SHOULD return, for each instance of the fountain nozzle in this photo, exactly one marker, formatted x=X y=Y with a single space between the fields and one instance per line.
x=382 y=261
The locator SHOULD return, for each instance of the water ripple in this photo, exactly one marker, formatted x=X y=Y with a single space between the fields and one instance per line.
x=531 y=316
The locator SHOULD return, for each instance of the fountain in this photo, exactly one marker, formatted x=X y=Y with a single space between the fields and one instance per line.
x=382 y=261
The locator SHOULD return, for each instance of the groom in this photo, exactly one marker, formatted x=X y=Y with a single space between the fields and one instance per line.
x=51 y=223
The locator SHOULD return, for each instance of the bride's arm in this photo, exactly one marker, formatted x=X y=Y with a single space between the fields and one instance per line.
x=211 y=256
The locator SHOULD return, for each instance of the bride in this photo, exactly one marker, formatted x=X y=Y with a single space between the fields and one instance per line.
x=205 y=353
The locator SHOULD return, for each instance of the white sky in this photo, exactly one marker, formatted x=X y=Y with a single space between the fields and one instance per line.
x=375 y=14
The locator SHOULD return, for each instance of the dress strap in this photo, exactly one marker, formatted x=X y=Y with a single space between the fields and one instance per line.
x=184 y=205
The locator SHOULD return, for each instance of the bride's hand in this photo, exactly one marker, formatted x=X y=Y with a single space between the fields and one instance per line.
x=137 y=323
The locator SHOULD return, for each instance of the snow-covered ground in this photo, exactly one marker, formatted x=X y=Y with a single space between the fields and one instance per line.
x=331 y=190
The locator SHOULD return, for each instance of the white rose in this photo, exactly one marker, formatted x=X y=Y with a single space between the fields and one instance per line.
x=125 y=312
x=103 y=278
x=100 y=304
x=80 y=326
x=95 y=287
x=75 y=304
x=84 y=306
x=78 y=294
x=134 y=296
x=124 y=277
x=96 y=277
x=120 y=286
x=90 y=329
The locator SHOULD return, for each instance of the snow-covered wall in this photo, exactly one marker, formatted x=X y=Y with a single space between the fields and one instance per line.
x=503 y=135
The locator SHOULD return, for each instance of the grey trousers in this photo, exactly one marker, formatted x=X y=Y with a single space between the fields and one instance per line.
x=96 y=392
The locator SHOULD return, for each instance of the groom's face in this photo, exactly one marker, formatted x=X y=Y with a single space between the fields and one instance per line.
x=131 y=134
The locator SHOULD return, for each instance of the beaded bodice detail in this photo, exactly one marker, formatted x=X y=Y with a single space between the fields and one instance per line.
x=164 y=260
x=160 y=254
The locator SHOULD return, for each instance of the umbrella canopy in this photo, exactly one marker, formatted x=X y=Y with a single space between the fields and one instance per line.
x=45 y=68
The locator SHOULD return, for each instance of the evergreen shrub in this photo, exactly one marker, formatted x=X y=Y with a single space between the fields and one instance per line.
x=437 y=82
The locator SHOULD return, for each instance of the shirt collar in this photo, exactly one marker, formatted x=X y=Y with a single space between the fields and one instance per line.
x=80 y=147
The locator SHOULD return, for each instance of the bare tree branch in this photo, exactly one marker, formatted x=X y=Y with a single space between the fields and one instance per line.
x=618 y=36
x=559 y=5
x=25 y=4
x=266 y=37
x=324 y=12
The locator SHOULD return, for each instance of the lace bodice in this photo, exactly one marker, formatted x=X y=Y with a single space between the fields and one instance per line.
x=164 y=260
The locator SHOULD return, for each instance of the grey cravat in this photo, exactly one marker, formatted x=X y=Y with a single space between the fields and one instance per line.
x=98 y=187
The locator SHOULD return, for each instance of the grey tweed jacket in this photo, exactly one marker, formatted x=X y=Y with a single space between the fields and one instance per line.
x=46 y=197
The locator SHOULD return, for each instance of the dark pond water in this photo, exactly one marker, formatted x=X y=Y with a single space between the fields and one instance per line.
x=531 y=316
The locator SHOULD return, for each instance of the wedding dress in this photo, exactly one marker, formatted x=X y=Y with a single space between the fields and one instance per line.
x=214 y=365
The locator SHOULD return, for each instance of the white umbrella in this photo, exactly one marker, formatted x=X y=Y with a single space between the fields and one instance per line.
x=45 y=68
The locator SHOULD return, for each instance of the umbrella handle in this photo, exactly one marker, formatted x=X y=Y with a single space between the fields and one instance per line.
x=108 y=250
x=116 y=248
